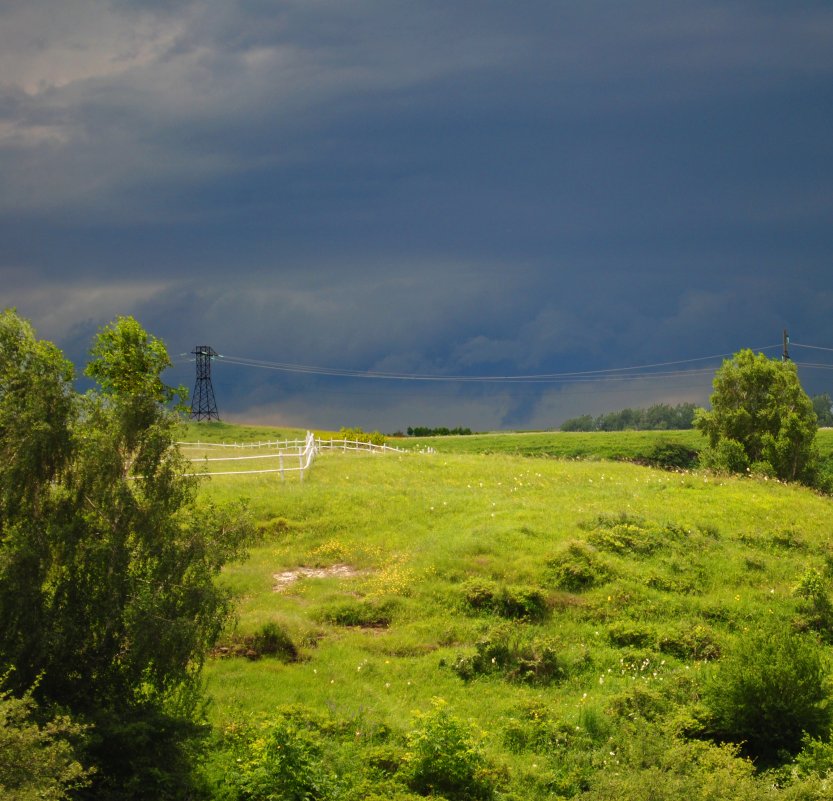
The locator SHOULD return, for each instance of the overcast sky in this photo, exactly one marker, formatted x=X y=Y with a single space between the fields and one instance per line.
x=444 y=189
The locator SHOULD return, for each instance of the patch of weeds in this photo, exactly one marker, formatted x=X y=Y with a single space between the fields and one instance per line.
x=279 y=759
x=787 y=539
x=696 y=642
x=532 y=729
x=626 y=533
x=274 y=528
x=514 y=654
x=364 y=613
x=639 y=702
x=816 y=607
x=511 y=602
x=579 y=567
x=685 y=584
x=754 y=563
x=270 y=640
x=630 y=633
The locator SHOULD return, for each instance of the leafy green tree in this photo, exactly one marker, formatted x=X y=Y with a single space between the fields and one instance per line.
x=760 y=419
x=37 y=761
x=823 y=407
x=108 y=603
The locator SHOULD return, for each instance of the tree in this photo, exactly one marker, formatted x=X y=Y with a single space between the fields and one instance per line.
x=823 y=407
x=108 y=604
x=760 y=419
x=37 y=762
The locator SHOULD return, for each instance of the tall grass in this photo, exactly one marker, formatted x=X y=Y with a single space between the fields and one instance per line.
x=686 y=564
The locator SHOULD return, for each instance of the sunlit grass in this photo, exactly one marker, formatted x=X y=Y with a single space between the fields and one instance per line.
x=415 y=528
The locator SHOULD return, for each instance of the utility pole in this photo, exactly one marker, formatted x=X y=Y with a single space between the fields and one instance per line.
x=203 y=405
x=785 y=357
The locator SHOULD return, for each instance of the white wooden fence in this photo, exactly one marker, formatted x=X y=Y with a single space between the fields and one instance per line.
x=286 y=456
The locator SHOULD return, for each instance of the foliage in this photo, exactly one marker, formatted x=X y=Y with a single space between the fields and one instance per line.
x=672 y=456
x=628 y=533
x=107 y=563
x=444 y=757
x=442 y=431
x=369 y=613
x=579 y=567
x=512 y=602
x=659 y=417
x=758 y=403
x=648 y=763
x=823 y=407
x=770 y=691
x=514 y=654
x=358 y=435
x=37 y=760
x=281 y=760
x=818 y=611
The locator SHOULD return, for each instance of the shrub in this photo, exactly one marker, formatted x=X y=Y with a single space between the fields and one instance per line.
x=726 y=456
x=653 y=765
x=281 y=762
x=358 y=435
x=672 y=456
x=817 y=612
x=624 y=533
x=512 y=602
x=579 y=568
x=272 y=640
x=690 y=642
x=629 y=633
x=768 y=692
x=516 y=655
x=37 y=761
x=369 y=614
x=444 y=757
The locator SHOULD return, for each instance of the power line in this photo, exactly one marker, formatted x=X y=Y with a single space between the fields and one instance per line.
x=814 y=347
x=612 y=373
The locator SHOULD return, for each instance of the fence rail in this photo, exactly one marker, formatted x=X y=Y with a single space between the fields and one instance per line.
x=285 y=452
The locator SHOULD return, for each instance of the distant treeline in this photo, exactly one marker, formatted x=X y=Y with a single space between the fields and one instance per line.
x=424 y=431
x=659 y=417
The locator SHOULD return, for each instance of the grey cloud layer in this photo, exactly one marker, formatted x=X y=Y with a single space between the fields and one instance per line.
x=425 y=187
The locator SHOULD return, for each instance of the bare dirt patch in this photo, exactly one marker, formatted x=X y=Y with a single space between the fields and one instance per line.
x=288 y=577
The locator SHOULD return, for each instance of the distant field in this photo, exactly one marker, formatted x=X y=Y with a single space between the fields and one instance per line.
x=615 y=445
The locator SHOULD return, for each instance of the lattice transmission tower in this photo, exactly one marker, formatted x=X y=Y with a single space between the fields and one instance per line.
x=203 y=405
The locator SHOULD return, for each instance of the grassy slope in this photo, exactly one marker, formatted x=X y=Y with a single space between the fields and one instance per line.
x=421 y=525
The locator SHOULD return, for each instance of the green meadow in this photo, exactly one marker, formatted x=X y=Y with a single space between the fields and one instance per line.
x=546 y=616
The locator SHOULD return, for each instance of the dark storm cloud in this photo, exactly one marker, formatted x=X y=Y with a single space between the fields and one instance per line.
x=423 y=187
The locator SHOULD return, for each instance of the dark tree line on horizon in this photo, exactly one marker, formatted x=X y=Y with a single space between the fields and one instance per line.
x=659 y=417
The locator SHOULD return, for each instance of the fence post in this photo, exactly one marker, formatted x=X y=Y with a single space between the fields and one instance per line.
x=280 y=458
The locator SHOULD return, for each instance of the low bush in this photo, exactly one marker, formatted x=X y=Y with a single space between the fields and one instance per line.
x=672 y=456
x=696 y=642
x=365 y=613
x=816 y=607
x=626 y=533
x=579 y=567
x=270 y=640
x=273 y=640
x=511 y=602
x=768 y=692
x=444 y=758
x=514 y=654
x=281 y=760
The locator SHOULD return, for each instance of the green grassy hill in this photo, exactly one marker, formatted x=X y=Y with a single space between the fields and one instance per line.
x=568 y=614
